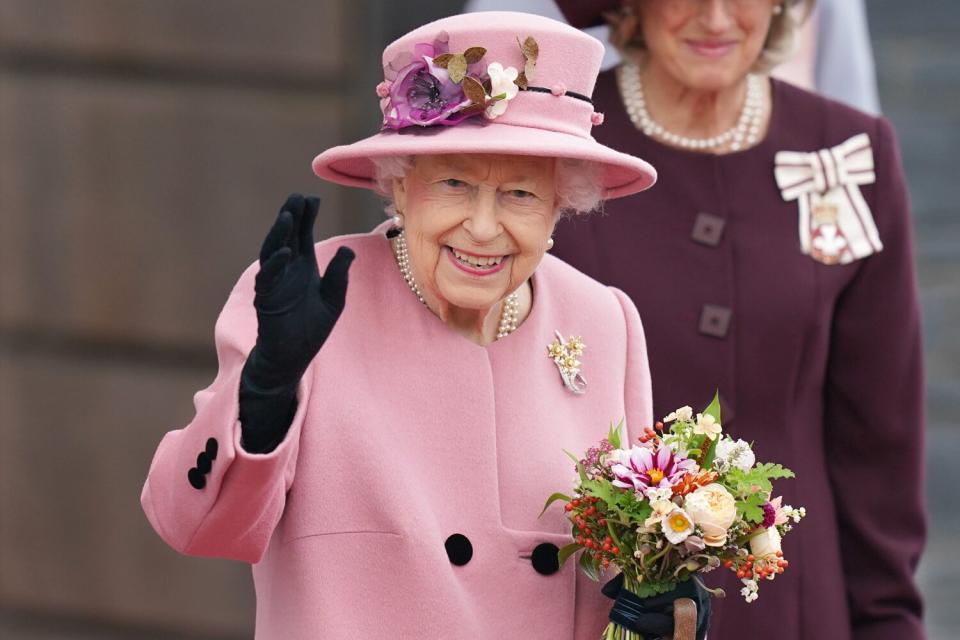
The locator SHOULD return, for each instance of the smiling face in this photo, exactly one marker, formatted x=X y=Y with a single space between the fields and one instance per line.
x=705 y=45
x=476 y=226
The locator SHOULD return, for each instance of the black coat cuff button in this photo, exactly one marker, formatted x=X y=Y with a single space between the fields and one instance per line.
x=545 y=559
x=459 y=549
x=203 y=462
x=197 y=479
x=212 y=448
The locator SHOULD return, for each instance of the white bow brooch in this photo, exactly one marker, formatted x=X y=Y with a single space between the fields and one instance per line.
x=836 y=226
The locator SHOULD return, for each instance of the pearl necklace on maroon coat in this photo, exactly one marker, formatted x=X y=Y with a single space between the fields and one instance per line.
x=743 y=134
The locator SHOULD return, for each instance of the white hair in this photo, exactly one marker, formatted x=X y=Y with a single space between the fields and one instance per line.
x=579 y=183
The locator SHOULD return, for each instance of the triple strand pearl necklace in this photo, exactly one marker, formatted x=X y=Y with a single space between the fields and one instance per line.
x=509 y=313
x=744 y=134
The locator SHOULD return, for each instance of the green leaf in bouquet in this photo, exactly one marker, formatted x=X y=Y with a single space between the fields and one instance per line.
x=771 y=470
x=627 y=505
x=601 y=488
x=564 y=554
x=613 y=435
x=648 y=589
x=552 y=499
x=751 y=507
x=589 y=567
x=613 y=535
x=580 y=469
x=756 y=481
x=713 y=409
x=641 y=511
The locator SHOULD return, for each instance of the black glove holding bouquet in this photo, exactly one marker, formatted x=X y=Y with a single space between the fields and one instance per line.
x=653 y=617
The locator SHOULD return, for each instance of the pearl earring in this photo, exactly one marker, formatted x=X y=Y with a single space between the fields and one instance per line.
x=549 y=244
x=398 y=221
x=777 y=9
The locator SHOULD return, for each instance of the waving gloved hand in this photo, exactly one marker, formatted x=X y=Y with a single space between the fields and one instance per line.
x=296 y=311
x=653 y=617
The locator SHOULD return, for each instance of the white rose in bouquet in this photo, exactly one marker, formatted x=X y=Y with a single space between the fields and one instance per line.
x=766 y=544
x=713 y=509
x=734 y=453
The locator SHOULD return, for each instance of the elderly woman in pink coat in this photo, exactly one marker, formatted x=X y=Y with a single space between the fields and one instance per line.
x=380 y=453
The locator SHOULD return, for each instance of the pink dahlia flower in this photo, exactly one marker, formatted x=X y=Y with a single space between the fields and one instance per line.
x=642 y=468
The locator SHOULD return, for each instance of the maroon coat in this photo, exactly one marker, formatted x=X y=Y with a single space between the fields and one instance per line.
x=819 y=365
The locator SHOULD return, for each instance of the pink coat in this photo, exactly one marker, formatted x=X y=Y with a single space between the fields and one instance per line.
x=407 y=433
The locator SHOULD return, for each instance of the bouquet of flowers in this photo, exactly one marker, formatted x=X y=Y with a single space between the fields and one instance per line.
x=684 y=500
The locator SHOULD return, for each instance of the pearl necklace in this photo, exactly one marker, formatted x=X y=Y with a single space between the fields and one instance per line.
x=744 y=133
x=509 y=314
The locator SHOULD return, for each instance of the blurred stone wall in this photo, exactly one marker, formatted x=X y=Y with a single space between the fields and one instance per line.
x=145 y=146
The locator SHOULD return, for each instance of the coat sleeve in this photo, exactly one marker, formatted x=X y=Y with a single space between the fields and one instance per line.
x=231 y=510
x=638 y=396
x=874 y=420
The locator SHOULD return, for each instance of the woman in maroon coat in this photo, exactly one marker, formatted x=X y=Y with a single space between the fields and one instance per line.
x=773 y=260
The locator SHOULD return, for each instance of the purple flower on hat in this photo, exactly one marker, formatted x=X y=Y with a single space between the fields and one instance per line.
x=422 y=93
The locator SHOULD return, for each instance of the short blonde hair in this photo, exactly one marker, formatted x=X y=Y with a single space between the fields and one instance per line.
x=579 y=183
x=626 y=33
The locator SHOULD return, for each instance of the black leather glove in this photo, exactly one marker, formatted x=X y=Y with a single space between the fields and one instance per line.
x=653 y=617
x=296 y=311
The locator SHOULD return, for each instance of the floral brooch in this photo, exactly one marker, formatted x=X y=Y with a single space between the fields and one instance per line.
x=565 y=354
x=432 y=86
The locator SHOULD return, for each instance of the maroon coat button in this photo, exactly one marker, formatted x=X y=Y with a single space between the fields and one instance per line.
x=715 y=320
x=708 y=229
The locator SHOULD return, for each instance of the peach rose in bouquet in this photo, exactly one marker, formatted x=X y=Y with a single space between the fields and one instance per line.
x=714 y=509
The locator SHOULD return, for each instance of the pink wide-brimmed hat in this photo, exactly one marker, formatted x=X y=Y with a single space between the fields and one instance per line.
x=497 y=82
